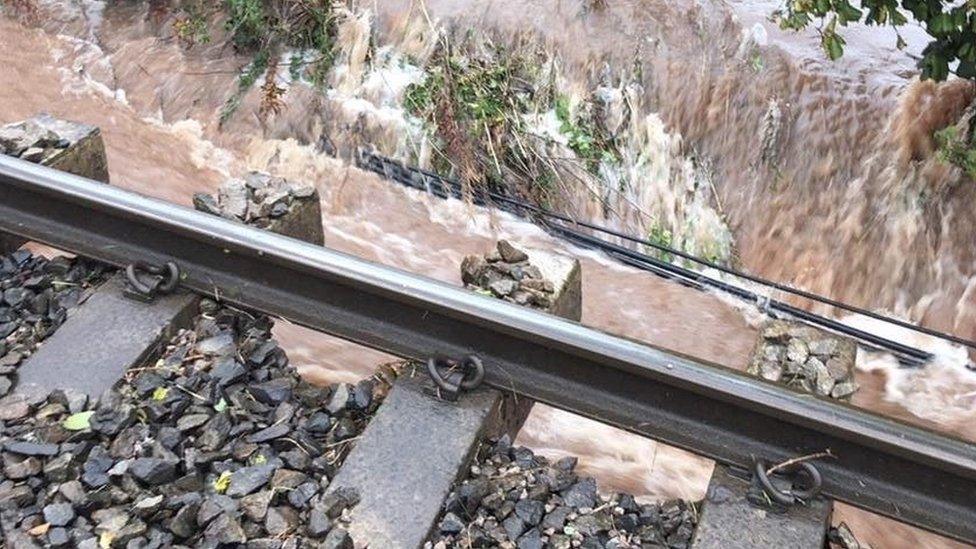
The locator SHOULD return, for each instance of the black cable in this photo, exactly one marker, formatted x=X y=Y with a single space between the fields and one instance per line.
x=444 y=188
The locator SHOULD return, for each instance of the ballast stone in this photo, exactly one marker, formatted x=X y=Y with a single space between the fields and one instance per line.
x=805 y=358
x=268 y=202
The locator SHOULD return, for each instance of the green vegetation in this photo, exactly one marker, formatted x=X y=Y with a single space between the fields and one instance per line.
x=476 y=106
x=585 y=137
x=264 y=29
x=191 y=25
x=951 y=24
x=244 y=83
x=957 y=149
x=662 y=237
x=479 y=99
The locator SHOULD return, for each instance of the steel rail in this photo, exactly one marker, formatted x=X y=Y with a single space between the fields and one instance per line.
x=911 y=474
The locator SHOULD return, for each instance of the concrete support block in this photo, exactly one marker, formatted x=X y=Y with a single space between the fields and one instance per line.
x=68 y=146
x=417 y=447
x=104 y=337
x=270 y=203
x=805 y=358
x=729 y=521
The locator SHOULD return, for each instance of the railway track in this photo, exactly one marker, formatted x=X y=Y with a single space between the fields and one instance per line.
x=904 y=472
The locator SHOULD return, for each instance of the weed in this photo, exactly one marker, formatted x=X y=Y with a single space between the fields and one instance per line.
x=661 y=236
x=957 y=149
x=263 y=29
x=585 y=138
x=244 y=82
x=247 y=23
x=476 y=106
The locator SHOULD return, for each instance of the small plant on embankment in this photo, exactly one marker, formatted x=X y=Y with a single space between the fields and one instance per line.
x=483 y=104
x=475 y=105
x=264 y=30
x=586 y=139
x=958 y=148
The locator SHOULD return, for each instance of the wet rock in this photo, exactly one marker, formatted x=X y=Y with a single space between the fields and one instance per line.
x=255 y=506
x=451 y=524
x=59 y=514
x=184 y=523
x=249 y=479
x=270 y=433
x=58 y=537
x=339 y=399
x=225 y=529
x=530 y=511
x=582 y=494
x=502 y=288
x=215 y=432
x=843 y=390
x=191 y=421
x=805 y=358
x=213 y=506
x=148 y=506
x=531 y=540
x=511 y=254
x=337 y=538
x=319 y=523
x=60 y=468
x=18 y=467
x=280 y=521
x=473 y=267
x=205 y=203
x=273 y=392
x=13 y=407
x=218 y=345
x=31 y=448
x=153 y=471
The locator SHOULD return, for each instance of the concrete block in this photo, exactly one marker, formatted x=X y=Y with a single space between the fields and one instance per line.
x=729 y=521
x=104 y=337
x=68 y=146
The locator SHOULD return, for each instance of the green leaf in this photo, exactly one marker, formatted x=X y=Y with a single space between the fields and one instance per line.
x=220 y=406
x=160 y=393
x=221 y=483
x=79 y=421
x=833 y=44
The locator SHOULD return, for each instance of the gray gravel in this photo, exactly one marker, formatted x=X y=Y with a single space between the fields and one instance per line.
x=514 y=498
x=218 y=443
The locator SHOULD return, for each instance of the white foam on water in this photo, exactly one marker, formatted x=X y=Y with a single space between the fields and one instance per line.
x=943 y=391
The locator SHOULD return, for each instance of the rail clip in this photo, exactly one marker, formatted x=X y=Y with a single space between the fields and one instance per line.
x=793 y=484
x=144 y=281
x=453 y=376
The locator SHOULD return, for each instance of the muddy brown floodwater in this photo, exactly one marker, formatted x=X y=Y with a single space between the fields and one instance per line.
x=856 y=225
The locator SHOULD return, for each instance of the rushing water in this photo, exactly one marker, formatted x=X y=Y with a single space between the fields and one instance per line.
x=823 y=174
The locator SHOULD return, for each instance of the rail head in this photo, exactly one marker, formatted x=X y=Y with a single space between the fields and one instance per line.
x=881 y=464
